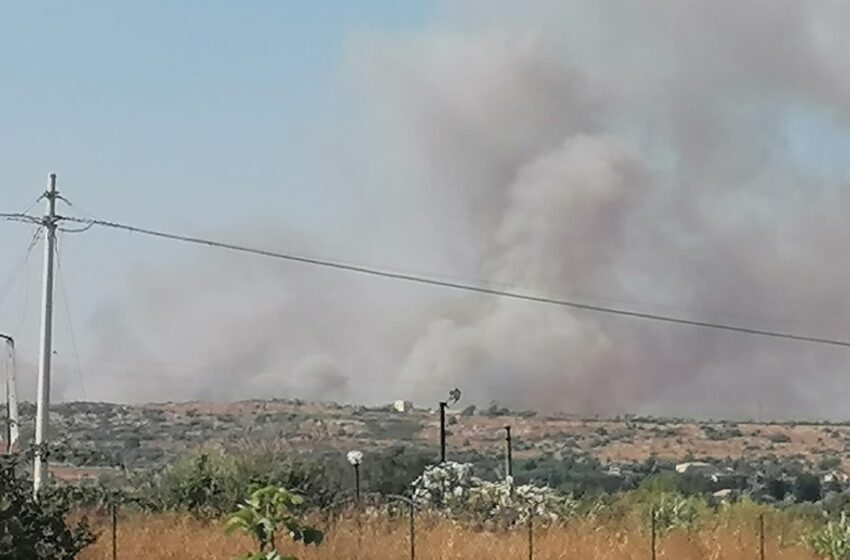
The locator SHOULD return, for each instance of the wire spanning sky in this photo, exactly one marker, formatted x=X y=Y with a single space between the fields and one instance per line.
x=685 y=160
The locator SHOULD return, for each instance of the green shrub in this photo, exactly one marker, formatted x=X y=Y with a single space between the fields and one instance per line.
x=202 y=484
x=36 y=530
x=674 y=511
x=832 y=541
x=392 y=470
x=211 y=482
x=268 y=513
x=807 y=488
x=314 y=478
x=830 y=462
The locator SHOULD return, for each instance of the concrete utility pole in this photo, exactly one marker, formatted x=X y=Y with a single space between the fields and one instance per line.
x=12 y=426
x=43 y=392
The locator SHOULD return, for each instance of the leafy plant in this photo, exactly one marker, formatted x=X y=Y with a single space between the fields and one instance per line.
x=211 y=482
x=450 y=489
x=833 y=540
x=265 y=515
x=36 y=530
x=199 y=484
x=674 y=511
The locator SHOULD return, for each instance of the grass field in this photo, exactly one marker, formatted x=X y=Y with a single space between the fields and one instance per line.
x=733 y=537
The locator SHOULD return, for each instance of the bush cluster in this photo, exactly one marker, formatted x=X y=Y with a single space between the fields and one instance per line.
x=450 y=489
x=212 y=482
x=36 y=529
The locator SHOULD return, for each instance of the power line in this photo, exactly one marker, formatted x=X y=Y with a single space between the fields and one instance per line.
x=20 y=217
x=73 y=337
x=480 y=289
x=31 y=206
x=10 y=283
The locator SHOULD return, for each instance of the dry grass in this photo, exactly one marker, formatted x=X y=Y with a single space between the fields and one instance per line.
x=170 y=537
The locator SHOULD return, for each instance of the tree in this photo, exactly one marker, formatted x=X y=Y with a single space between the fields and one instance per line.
x=776 y=488
x=36 y=530
x=267 y=514
x=391 y=471
x=830 y=462
x=807 y=488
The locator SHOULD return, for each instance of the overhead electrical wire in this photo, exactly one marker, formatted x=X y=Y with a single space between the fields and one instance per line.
x=480 y=289
x=89 y=216
x=424 y=280
x=10 y=282
x=73 y=337
x=32 y=205
x=20 y=217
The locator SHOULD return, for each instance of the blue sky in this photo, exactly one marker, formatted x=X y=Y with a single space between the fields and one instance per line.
x=144 y=107
x=191 y=116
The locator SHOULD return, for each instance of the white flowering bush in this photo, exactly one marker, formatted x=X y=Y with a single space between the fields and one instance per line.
x=445 y=488
x=450 y=489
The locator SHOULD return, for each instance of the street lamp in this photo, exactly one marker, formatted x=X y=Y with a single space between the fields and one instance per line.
x=454 y=396
x=509 y=467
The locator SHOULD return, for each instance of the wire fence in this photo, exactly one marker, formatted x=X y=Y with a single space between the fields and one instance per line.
x=379 y=528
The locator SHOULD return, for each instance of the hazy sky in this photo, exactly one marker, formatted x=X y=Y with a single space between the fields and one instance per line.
x=190 y=116
x=688 y=158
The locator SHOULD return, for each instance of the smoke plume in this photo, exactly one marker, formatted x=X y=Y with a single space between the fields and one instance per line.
x=640 y=154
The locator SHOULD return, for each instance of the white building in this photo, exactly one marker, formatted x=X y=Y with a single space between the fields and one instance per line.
x=403 y=406
x=695 y=467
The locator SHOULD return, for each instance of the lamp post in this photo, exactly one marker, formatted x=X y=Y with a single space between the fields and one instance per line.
x=443 y=405
x=509 y=467
x=356 y=458
x=454 y=396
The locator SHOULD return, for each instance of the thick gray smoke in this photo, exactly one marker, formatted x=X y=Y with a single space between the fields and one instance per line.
x=640 y=154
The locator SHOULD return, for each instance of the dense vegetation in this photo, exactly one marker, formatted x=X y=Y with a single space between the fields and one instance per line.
x=30 y=529
x=272 y=488
x=204 y=461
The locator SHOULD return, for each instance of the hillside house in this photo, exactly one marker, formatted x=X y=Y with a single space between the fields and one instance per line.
x=698 y=468
x=402 y=406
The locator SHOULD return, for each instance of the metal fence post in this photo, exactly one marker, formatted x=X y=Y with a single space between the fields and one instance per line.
x=530 y=535
x=412 y=519
x=653 y=531
x=359 y=515
x=412 y=531
x=114 y=515
x=761 y=536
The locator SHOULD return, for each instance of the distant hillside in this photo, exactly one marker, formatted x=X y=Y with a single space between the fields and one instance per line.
x=109 y=435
